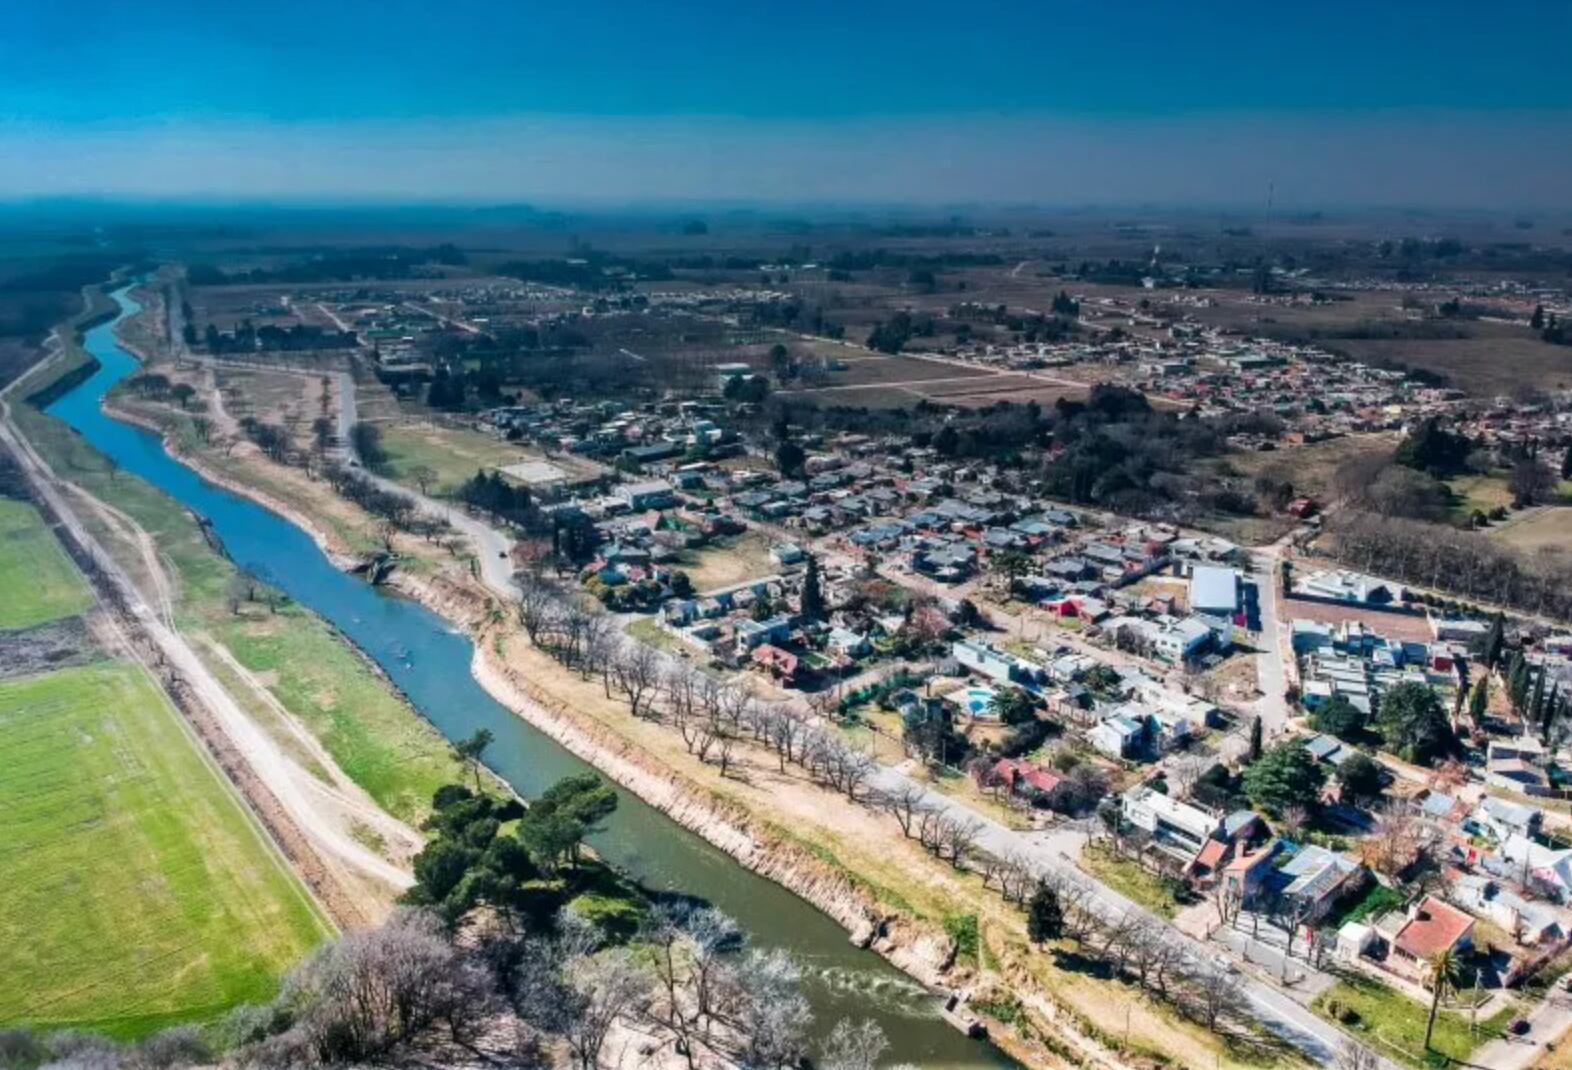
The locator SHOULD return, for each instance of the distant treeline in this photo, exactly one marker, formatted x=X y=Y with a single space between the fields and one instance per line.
x=35 y=299
x=377 y=262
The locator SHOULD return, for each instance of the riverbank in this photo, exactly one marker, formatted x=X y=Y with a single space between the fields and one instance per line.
x=849 y=862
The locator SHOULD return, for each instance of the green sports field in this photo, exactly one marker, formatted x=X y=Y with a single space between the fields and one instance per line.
x=137 y=891
x=39 y=581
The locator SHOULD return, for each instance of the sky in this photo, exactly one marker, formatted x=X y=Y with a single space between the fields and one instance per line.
x=1398 y=102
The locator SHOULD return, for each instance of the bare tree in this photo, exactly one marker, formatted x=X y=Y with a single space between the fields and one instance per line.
x=1352 y=1055
x=1214 y=995
x=906 y=802
x=853 y=1046
x=636 y=674
x=609 y=986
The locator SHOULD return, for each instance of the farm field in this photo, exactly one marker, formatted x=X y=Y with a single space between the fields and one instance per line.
x=39 y=580
x=367 y=728
x=110 y=807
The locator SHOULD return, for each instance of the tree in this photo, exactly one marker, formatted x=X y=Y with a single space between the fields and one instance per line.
x=1339 y=717
x=1361 y=778
x=1529 y=482
x=608 y=985
x=1537 y=320
x=1013 y=706
x=468 y=752
x=812 y=603
x=1496 y=636
x=1479 y=701
x=1413 y=723
x=1443 y=971
x=1044 y=915
x=853 y=1046
x=1256 y=733
x=557 y=822
x=1285 y=776
x=1352 y=1055
x=425 y=477
x=789 y=458
x=1010 y=565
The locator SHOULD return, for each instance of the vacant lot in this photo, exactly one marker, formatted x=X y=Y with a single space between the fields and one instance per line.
x=729 y=561
x=455 y=454
x=1311 y=467
x=39 y=583
x=138 y=891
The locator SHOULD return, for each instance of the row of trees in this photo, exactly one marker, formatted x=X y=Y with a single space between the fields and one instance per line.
x=1464 y=563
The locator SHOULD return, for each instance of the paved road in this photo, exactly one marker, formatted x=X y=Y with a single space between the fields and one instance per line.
x=1315 y=1037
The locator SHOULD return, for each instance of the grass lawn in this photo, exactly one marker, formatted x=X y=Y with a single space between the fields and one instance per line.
x=1394 y=1024
x=138 y=892
x=453 y=454
x=1481 y=492
x=39 y=580
x=370 y=731
x=1130 y=879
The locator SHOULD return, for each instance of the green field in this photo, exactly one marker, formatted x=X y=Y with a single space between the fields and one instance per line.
x=452 y=453
x=138 y=891
x=366 y=726
x=39 y=580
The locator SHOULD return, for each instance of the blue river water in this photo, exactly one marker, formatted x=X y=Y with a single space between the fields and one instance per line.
x=429 y=660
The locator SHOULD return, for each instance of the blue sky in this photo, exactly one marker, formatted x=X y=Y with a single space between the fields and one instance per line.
x=471 y=99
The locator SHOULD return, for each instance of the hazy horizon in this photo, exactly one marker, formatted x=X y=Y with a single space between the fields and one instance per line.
x=605 y=104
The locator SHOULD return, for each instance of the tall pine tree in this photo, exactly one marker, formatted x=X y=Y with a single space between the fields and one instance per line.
x=1495 y=637
x=812 y=594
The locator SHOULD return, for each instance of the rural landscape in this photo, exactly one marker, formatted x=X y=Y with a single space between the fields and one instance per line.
x=590 y=594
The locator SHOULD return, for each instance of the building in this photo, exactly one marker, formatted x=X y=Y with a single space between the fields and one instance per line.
x=1429 y=928
x=1174 y=825
x=1214 y=591
x=1120 y=735
x=1314 y=879
x=652 y=494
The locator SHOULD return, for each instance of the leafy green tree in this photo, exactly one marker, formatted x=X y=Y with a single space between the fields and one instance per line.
x=1479 y=701
x=1044 y=915
x=1285 y=776
x=1497 y=635
x=556 y=824
x=1010 y=565
x=469 y=751
x=812 y=604
x=1413 y=723
x=1431 y=448
x=1013 y=706
x=1339 y=717
x=1445 y=971
x=1361 y=778
x=789 y=458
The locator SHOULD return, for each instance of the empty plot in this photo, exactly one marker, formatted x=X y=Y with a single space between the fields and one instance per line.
x=138 y=892
x=39 y=582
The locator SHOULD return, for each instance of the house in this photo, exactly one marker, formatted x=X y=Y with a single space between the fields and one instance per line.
x=1026 y=780
x=1000 y=666
x=781 y=664
x=1527 y=923
x=1310 y=882
x=848 y=643
x=1214 y=591
x=787 y=553
x=1499 y=819
x=1429 y=928
x=752 y=633
x=1547 y=869
x=1120 y=736
x=652 y=494
x=1174 y=825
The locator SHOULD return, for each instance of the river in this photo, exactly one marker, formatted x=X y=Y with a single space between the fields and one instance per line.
x=429 y=660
